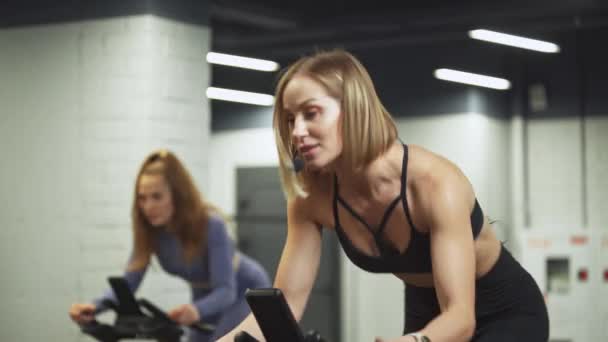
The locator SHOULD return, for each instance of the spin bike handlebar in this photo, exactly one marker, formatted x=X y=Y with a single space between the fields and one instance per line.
x=137 y=319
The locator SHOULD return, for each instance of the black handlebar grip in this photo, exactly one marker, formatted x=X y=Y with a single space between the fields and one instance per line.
x=243 y=336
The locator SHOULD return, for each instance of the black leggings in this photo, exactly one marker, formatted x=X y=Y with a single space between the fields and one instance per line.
x=509 y=306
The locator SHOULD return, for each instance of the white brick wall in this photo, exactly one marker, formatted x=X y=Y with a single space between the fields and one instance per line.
x=559 y=176
x=555 y=174
x=82 y=104
x=597 y=170
x=558 y=180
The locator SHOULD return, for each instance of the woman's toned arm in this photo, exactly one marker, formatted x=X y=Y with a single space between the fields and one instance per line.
x=448 y=209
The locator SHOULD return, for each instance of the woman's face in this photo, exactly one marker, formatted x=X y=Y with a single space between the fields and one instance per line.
x=154 y=199
x=313 y=117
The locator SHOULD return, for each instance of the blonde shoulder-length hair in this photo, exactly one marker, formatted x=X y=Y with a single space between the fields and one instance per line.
x=366 y=126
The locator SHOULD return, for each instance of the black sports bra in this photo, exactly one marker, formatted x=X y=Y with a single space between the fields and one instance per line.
x=417 y=256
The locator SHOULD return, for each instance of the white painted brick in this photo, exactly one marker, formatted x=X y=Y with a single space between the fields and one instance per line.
x=100 y=108
x=41 y=197
x=150 y=66
x=123 y=172
x=40 y=310
x=103 y=258
x=190 y=71
x=42 y=39
x=97 y=155
x=194 y=156
x=113 y=87
x=196 y=112
x=151 y=23
x=51 y=253
x=144 y=23
x=94 y=239
x=196 y=34
x=91 y=85
x=148 y=87
x=91 y=47
x=79 y=115
x=551 y=204
x=57 y=40
x=200 y=173
x=101 y=27
x=177 y=68
x=179 y=46
x=166 y=112
x=176 y=130
x=177 y=144
x=104 y=192
x=122 y=87
x=98 y=63
x=106 y=214
x=136 y=44
x=100 y=67
x=90 y=205
x=113 y=131
x=179 y=89
x=116 y=219
x=597 y=169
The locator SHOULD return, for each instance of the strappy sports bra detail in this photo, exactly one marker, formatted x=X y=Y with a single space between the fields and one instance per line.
x=416 y=258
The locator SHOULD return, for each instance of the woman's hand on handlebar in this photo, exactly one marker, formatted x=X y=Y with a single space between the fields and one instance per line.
x=82 y=313
x=185 y=314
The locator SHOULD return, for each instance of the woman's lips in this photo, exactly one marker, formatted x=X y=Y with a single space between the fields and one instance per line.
x=308 y=151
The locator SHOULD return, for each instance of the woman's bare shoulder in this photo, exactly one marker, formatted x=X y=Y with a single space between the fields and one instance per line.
x=316 y=206
x=429 y=165
x=434 y=174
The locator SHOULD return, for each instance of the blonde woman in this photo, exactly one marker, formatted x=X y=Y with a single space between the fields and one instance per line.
x=395 y=208
x=172 y=221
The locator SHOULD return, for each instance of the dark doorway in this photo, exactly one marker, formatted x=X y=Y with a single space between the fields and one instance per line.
x=262 y=229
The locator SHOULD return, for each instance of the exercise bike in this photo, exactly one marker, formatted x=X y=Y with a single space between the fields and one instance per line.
x=137 y=319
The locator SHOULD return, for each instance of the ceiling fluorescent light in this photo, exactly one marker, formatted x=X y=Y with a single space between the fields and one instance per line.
x=242 y=62
x=516 y=41
x=240 y=96
x=472 y=79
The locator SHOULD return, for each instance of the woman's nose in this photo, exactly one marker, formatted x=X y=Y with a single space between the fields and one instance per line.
x=146 y=206
x=299 y=128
